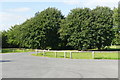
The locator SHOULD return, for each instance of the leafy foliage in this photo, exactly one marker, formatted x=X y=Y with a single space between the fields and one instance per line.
x=40 y=31
x=116 y=28
x=13 y=35
x=85 y=28
x=4 y=39
x=103 y=24
x=75 y=30
x=82 y=29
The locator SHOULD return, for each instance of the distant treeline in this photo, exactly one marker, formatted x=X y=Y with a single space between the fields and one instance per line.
x=81 y=29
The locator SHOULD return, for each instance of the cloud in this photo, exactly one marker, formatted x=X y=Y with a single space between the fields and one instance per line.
x=32 y=0
x=10 y=19
x=108 y=3
x=89 y=3
x=92 y=3
x=19 y=9
x=72 y=2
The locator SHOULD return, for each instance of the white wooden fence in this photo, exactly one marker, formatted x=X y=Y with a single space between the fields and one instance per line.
x=65 y=53
x=71 y=52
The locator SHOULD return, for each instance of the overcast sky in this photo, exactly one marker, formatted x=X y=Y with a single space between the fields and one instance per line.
x=17 y=11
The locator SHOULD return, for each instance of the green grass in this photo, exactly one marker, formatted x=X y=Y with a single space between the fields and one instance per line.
x=113 y=48
x=15 y=50
x=107 y=55
x=109 y=48
x=80 y=55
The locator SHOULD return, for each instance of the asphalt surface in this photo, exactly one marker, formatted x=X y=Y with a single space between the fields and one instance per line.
x=24 y=65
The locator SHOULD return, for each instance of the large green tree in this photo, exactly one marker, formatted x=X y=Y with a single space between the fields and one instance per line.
x=115 y=17
x=75 y=29
x=41 y=31
x=4 y=39
x=13 y=36
x=85 y=28
x=82 y=29
x=103 y=26
x=116 y=28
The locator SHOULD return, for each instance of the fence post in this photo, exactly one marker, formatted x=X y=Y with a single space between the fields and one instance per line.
x=93 y=55
x=55 y=54
x=64 y=54
x=23 y=50
x=36 y=51
x=70 y=55
x=43 y=53
x=13 y=50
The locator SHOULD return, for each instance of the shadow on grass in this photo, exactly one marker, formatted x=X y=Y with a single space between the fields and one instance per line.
x=7 y=50
x=5 y=61
x=107 y=50
x=106 y=58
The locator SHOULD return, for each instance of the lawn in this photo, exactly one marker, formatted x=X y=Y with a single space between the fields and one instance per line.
x=109 y=48
x=113 y=48
x=80 y=55
x=13 y=50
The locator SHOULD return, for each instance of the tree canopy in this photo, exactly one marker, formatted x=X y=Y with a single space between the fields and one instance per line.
x=85 y=28
x=116 y=28
x=103 y=24
x=75 y=30
x=81 y=29
x=40 y=31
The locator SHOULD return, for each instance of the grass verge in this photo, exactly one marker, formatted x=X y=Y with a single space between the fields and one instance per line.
x=80 y=55
x=13 y=50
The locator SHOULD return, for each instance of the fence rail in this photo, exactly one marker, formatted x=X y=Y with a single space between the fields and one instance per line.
x=71 y=52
